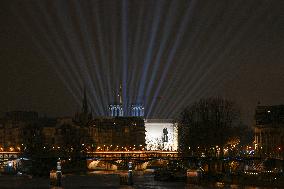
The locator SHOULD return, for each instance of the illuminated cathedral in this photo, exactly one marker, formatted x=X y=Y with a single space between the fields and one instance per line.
x=116 y=109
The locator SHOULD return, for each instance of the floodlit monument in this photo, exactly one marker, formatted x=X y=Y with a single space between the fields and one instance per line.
x=161 y=134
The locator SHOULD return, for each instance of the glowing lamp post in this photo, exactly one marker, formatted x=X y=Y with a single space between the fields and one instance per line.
x=58 y=173
x=130 y=178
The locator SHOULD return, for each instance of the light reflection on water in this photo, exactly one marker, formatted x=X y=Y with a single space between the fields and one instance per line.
x=147 y=182
x=109 y=180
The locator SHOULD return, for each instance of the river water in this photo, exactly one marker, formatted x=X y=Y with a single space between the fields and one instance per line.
x=145 y=181
x=107 y=180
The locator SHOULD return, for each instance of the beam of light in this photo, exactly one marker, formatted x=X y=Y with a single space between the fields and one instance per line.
x=142 y=51
x=134 y=58
x=198 y=83
x=197 y=65
x=114 y=54
x=95 y=71
x=61 y=60
x=58 y=43
x=180 y=99
x=74 y=60
x=182 y=74
x=84 y=53
x=49 y=55
x=102 y=65
x=173 y=51
x=225 y=72
x=165 y=37
x=88 y=55
x=150 y=47
x=139 y=32
x=240 y=33
x=97 y=75
x=81 y=57
x=209 y=87
x=218 y=79
x=163 y=45
x=175 y=85
x=124 y=52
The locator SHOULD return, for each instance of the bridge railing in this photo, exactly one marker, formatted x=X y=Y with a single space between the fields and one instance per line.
x=8 y=155
x=132 y=154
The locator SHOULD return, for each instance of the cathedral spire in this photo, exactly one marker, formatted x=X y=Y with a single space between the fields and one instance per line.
x=120 y=94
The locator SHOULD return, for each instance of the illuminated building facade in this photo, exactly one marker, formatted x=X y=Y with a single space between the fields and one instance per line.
x=116 y=110
x=114 y=133
x=15 y=129
x=118 y=131
x=137 y=110
x=12 y=126
x=269 y=131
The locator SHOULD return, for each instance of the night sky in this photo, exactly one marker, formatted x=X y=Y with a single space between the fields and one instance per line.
x=166 y=54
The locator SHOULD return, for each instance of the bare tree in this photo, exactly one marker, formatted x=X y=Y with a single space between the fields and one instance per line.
x=206 y=124
x=75 y=141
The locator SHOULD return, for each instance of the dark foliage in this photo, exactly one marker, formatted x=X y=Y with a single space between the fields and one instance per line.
x=74 y=145
x=207 y=123
x=40 y=159
x=71 y=147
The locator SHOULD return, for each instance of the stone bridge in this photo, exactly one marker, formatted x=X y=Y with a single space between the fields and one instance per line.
x=120 y=159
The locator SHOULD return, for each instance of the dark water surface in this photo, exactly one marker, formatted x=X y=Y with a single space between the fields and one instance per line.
x=105 y=180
